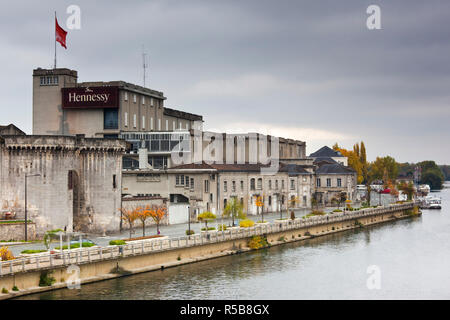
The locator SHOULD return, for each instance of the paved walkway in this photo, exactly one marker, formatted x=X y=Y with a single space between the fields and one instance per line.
x=175 y=230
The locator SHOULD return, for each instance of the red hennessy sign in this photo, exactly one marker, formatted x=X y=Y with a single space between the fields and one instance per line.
x=90 y=97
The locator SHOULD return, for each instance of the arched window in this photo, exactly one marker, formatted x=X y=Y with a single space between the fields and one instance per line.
x=259 y=183
x=252 y=184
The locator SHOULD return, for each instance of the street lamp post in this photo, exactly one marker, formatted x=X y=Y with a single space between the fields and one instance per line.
x=26 y=213
x=189 y=221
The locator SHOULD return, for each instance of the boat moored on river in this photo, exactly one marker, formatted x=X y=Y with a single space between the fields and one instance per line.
x=430 y=202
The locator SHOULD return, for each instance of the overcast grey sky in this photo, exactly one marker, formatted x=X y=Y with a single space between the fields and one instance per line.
x=309 y=70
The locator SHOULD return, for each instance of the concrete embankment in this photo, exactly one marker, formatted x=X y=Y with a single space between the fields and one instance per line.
x=103 y=263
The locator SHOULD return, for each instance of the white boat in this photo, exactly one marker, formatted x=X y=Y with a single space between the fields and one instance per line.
x=424 y=189
x=430 y=202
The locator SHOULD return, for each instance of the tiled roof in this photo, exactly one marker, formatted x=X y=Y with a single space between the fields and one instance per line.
x=335 y=168
x=325 y=152
x=322 y=160
x=293 y=169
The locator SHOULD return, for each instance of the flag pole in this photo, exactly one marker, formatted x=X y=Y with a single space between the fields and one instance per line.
x=55 y=40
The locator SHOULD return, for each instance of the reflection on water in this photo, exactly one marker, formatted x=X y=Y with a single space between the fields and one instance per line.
x=413 y=256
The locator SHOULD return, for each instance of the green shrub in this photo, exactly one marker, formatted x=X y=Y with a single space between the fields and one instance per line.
x=260 y=221
x=257 y=242
x=282 y=238
x=15 y=288
x=315 y=213
x=46 y=280
x=4 y=290
x=77 y=245
x=209 y=229
x=29 y=251
x=222 y=227
x=117 y=242
x=190 y=232
x=246 y=223
x=357 y=223
x=337 y=210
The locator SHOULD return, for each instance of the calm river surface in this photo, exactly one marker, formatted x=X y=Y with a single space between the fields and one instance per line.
x=413 y=256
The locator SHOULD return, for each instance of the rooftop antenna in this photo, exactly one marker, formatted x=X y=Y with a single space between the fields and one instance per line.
x=144 y=62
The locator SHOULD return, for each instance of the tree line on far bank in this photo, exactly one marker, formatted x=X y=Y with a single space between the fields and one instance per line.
x=388 y=170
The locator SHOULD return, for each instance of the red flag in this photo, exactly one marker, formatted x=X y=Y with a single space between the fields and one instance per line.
x=60 y=34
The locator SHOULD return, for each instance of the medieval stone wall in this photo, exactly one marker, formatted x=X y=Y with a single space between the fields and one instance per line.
x=79 y=182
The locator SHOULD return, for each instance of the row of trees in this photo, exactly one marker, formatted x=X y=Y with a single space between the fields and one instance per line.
x=142 y=214
x=387 y=169
x=446 y=171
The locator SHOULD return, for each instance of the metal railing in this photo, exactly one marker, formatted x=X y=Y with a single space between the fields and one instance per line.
x=141 y=247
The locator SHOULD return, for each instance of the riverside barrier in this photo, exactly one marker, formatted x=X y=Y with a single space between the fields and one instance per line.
x=46 y=261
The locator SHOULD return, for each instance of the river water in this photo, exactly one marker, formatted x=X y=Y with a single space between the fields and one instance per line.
x=411 y=257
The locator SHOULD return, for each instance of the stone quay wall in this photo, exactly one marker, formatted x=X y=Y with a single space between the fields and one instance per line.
x=98 y=264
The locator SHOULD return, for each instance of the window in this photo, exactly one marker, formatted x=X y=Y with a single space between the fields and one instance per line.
x=242 y=201
x=126 y=119
x=110 y=119
x=242 y=185
x=282 y=184
x=187 y=125
x=177 y=180
x=143 y=100
x=134 y=98
x=125 y=96
x=292 y=184
x=192 y=183
x=151 y=123
x=259 y=183
x=143 y=122
x=167 y=125
x=134 y=121
x=187 y=181
x=207 y=186
x=270 y=200
x=182 y=179
x=173 y=126
x=339 y=182
x=276 y=184
x=328 y=182
x=270 y=184
x=233 y=186
x=252 y=184
x=159 y=124
x=224 y=203
x=318 y=182
x=151 y=102
x=304 y=179
x=225 y=187
x=49 y=81
x=114 y=181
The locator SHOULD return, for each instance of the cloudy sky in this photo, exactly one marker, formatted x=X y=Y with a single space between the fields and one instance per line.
x=309 y=70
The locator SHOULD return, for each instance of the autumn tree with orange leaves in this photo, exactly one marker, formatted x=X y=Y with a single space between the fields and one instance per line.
x=130 y=216
x=143 y=215
x=157 y=213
